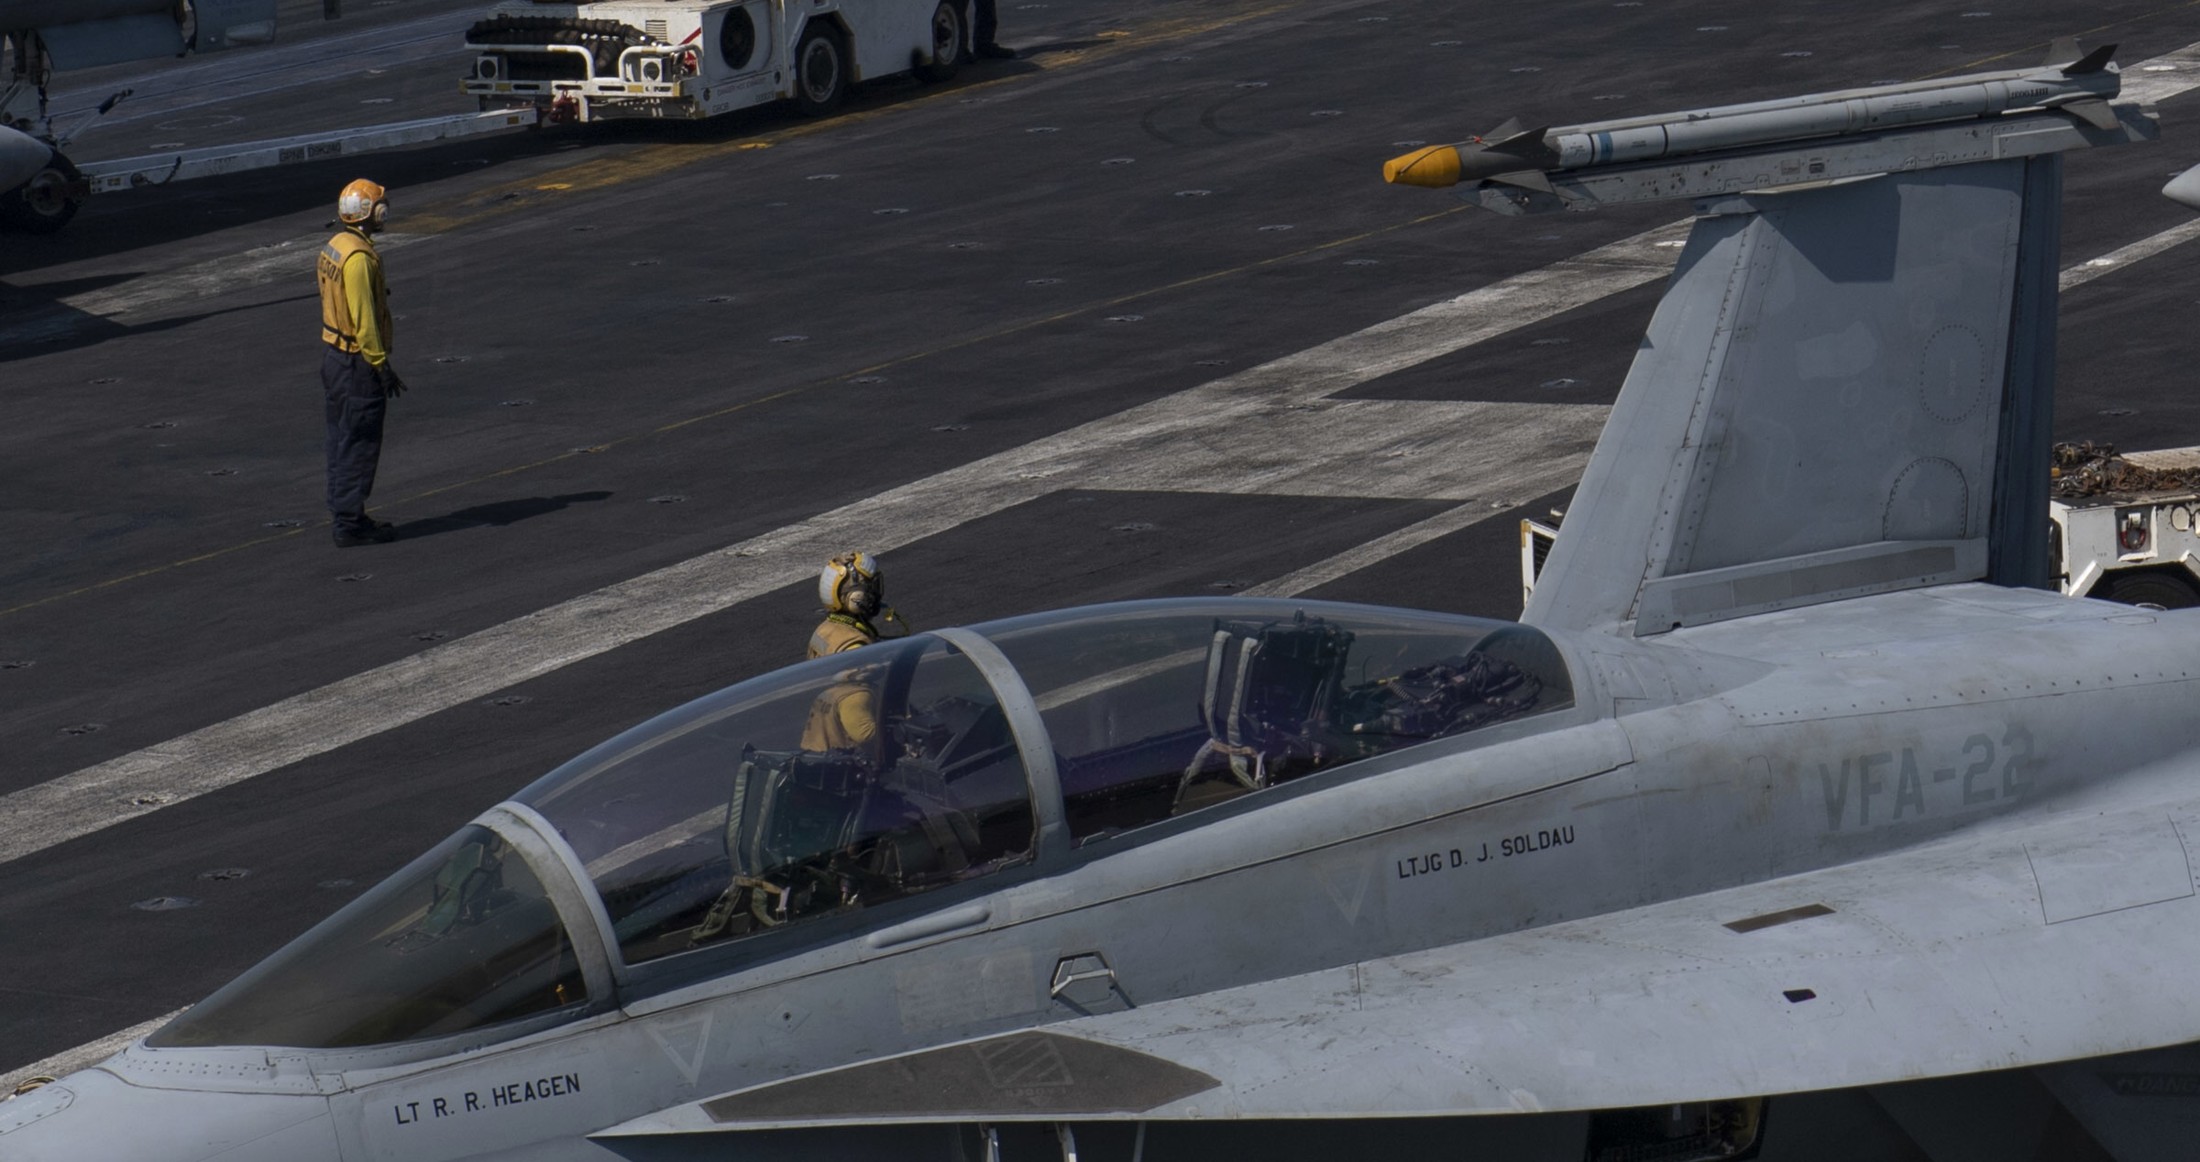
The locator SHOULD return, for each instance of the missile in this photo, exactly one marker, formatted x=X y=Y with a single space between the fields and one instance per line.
x=1513 y=155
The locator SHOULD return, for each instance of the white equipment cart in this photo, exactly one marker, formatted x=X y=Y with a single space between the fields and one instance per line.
x=689 y=59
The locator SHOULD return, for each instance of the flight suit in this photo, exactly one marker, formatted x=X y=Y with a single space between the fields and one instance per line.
x=840 y=632
x=356 y=326
x=843 y=716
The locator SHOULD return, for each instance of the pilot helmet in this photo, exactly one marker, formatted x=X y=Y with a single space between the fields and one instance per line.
x=852 y=583
x=362 y=203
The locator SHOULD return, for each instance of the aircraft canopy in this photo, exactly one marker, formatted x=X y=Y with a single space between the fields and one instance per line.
x=792 y=805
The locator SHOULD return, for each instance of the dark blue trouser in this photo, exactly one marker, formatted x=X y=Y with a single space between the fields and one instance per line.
x=984 y=21
x=354 y=435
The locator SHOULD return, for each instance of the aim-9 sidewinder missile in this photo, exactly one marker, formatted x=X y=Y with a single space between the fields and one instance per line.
x=1530 y=158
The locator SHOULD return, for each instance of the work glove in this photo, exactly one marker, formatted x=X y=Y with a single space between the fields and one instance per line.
x=386 y=377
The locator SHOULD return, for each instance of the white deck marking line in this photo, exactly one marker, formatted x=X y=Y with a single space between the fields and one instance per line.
x=2157 y=79
x=1382 y=548
x=2122 y=257
x=1119 y=447
x=2166 y=459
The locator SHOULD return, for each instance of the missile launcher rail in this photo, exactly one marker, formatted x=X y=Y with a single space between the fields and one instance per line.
x=1818 y=139
x=1823 y=162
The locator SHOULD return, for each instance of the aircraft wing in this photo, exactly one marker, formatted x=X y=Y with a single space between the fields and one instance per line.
x=2075 y=939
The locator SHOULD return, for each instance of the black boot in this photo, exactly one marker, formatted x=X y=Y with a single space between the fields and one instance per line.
x=374 y=532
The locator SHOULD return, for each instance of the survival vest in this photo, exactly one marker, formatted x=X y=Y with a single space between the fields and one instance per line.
x=336 y=306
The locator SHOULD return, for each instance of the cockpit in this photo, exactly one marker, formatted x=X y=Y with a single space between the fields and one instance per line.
x=816 y=802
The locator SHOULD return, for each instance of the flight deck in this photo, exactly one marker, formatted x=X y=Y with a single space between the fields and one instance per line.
x=1132 y=316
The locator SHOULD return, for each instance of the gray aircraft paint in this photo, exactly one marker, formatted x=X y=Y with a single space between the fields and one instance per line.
x=1881 y=790
x=1830 y=351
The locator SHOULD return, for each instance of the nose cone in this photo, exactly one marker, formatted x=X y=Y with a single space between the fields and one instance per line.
x=1436 y=166
x=94 y=1116
x=2184 y=189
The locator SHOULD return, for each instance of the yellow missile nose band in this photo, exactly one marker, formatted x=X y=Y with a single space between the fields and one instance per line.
x=1435 y=166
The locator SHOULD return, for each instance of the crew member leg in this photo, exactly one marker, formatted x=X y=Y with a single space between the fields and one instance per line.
x=984 y=26
x=353 y=410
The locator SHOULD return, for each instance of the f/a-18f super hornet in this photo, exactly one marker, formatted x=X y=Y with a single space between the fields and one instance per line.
x=1792 y=778
x=39 y=187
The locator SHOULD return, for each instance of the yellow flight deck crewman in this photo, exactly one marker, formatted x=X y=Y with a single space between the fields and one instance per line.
x=844 y=715
x=357 y=380
x=852 y=587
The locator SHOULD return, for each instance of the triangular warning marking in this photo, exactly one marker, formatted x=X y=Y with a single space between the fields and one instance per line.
x=1347 y=887
x=684 y=1041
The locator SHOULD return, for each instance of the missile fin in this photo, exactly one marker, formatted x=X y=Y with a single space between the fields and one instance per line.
x=2091 y=62
x=1527 y=179
x=1519 y=140
x=1506 y=132
x=2093 y=112
x=2064 y=51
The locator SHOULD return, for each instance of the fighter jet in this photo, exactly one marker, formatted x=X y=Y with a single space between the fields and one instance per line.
x=1790 y=779
x=39 y=188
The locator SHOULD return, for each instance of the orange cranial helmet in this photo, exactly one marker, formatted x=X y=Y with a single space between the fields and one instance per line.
x=362 y=202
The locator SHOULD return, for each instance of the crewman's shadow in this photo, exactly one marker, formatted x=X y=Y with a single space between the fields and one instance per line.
x=503 y=512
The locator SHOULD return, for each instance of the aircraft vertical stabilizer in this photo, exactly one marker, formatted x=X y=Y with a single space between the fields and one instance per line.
x=1830 y=402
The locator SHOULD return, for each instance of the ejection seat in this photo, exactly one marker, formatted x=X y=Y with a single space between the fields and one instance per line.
x=910 y=835
x=1268 y=704
x=1276 y=704
x=789 y=812
x=808 y=832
